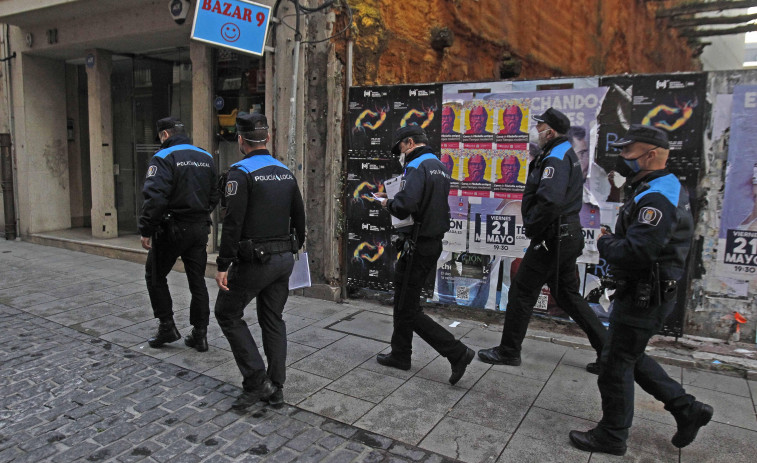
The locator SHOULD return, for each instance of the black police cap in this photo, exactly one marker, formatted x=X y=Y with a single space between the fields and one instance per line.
x=404 y=132
x=555 y=119
x=168 y=123
x=249 y=122
x=644 y=134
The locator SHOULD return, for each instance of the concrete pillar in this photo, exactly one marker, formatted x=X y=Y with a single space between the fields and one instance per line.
x=202 y=96
x=104 y=216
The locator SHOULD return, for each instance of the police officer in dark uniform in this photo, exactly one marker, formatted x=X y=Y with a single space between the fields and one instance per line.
x=424 y=197
x=647 y=255
x=263 y=204
x=551 y=202
x=180 y=191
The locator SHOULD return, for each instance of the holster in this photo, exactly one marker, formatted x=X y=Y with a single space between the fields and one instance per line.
x=169 y=229
x=261 y=251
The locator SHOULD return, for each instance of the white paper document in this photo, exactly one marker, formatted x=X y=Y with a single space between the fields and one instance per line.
x=392 y=187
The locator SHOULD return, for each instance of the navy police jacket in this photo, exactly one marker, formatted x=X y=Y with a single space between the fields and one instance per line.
x=181 y=179
x=425 y=188
x=262 y=202
x=654 y=226
x=554 y=189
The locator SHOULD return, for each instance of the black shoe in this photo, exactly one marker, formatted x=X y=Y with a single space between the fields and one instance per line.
x=251 y=397
x=593 y=368
x=198 y=339
x=587 y=442
x=495 y=357
x=167 y=332
x=390 y=361
x=276 y=399
x=688 y=428
x=458 y=368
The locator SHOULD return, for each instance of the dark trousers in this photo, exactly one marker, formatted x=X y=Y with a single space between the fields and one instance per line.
x=623 y=360
x=190 y=245
x=269 y=284
x=408 y=315
x=541 y=266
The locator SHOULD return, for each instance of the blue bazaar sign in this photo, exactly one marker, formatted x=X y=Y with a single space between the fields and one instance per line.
x=236 y=24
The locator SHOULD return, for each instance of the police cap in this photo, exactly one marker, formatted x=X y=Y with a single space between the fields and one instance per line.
x=168 y=123
x=404 y=132
x=248 y=122
x=644 y=134
x=555 y=119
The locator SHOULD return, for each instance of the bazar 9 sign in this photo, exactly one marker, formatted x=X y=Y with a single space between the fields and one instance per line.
x=236 y=24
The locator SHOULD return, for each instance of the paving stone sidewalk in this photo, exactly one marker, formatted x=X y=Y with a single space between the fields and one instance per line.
x=67 y=396
x=78 y=382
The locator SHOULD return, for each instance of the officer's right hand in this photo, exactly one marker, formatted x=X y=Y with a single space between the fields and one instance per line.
x=221 y=280
x=146 y=242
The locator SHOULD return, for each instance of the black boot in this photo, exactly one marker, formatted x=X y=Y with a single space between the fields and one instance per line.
x=261 y=391
x=698 y=415
x=167 y=332
x=198 y=339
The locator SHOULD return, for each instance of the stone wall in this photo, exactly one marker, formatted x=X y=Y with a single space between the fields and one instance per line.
x=535 y=39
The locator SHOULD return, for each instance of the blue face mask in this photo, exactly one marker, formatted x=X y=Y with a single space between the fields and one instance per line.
x=633 y=164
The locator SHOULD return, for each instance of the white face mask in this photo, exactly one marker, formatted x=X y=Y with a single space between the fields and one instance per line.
x=402 y=159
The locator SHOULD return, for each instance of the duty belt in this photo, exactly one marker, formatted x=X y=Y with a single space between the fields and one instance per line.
x=271 y=247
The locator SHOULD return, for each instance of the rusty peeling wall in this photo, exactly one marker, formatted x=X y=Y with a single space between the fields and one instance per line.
x=545 y=38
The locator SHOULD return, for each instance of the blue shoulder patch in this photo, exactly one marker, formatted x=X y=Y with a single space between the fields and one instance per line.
x=165 y=152
x=559 y=150
x=417 y=161
x=254 y=163
x=667 y=185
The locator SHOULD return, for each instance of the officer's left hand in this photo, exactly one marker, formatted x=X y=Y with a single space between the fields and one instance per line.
x=221 y=280
x=146 y=242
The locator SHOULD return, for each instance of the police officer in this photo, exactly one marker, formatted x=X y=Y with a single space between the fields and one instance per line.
x=424 y=197
x=263 y=203
x=551 y=202
x=179 y=193
x=647 y=255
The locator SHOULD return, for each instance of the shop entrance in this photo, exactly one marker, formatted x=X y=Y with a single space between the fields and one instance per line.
x=144 y=89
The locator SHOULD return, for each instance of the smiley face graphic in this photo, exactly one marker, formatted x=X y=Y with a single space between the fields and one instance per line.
x=230 y=32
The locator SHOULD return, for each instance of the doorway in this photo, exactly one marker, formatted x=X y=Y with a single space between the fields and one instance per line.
x=144 y=89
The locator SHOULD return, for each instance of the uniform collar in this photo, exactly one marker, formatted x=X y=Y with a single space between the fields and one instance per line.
x=417 y=152
x=258 y=152
x=649 y=177
x=174 y=140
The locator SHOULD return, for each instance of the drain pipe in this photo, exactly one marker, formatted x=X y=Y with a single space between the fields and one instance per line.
x=7 y=186
x=291 y=142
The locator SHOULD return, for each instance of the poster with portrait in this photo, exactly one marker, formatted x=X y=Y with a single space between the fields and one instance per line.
x=419 y=105
x=370 y=121
x=477 y=172
x=495 y=227
x=512 y=122
x=737 y=239
x=479 y=126
x=468 y=280
x=453 y=123
x=455 y=166
x=457 y=237
x=510 y=171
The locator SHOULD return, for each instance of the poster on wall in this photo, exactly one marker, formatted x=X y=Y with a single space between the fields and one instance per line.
x=419 y=105
x=370 y=121
x=365 y=177
x=456 y=237
x=495 y=227
x=371 y=260
x=737 y=240
x=468 y=280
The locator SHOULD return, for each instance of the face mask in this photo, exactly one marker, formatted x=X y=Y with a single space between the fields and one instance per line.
x=628 y=167
x=402 y=159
